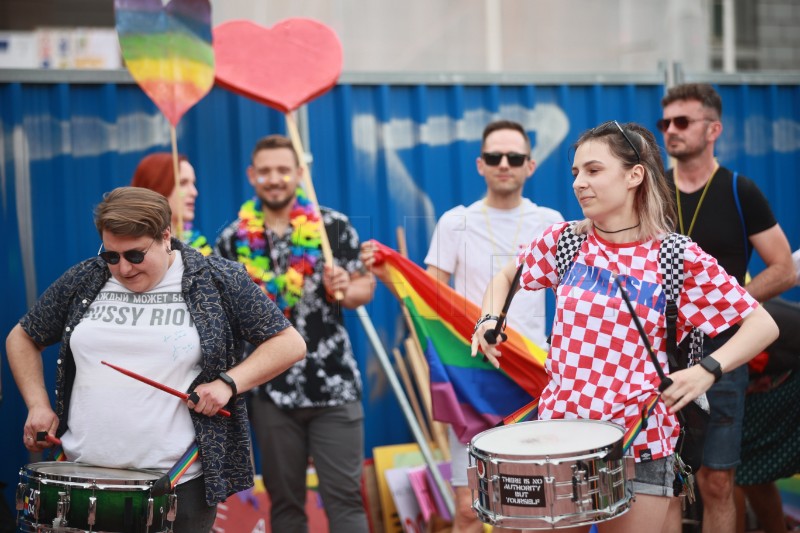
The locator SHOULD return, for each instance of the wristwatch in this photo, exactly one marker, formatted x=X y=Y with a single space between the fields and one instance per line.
x=712 y=365
x=232 y=384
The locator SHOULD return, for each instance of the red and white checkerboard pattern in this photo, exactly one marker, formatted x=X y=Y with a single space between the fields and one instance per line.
x=598 y=365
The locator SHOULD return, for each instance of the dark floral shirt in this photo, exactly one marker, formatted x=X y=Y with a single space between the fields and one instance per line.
x=328 y=376
x=227 y=309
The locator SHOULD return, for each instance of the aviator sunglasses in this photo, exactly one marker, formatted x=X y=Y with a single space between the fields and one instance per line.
x=681 y=122
x=494 y=158
x=134 y=257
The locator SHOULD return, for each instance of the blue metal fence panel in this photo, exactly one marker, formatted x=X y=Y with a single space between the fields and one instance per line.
x=388 y=155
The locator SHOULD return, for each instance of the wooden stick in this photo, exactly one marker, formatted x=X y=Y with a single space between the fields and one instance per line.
x=308 y=185
x=401 y=242
x=420 y=369
x=412 y=395
x=169 y=390
x=176 y=232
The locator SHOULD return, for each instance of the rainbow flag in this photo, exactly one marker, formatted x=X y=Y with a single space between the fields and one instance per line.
x=444 y=321
x=167 y=50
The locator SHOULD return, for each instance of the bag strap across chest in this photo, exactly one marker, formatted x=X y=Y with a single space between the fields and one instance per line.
x=670 y=264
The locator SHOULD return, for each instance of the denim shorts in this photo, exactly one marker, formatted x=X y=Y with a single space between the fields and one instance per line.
x=723 y=445
x=655 y=477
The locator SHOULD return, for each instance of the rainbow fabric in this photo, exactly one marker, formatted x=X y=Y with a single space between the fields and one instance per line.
x=183 y=465
x=444 y=321
x=167 y=50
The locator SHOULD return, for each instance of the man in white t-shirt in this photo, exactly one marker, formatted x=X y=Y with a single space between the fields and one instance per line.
x=490 y=232
x=471 y=244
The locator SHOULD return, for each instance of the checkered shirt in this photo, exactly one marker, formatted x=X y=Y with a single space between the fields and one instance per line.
x=598 y=366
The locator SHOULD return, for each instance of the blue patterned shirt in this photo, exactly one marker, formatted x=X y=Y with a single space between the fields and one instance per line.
x=227 y=308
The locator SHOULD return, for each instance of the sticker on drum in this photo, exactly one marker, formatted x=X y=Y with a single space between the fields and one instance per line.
x=70 y=496
x=550 y=474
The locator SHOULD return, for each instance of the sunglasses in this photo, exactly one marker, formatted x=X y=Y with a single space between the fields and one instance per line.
x=681 y=123
x=494 y=158
x=134 y=257
x=604 y=125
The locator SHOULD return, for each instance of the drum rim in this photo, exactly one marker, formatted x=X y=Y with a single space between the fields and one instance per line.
x=487 y=455
x=83 y=480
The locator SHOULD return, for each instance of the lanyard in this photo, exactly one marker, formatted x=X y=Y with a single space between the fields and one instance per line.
x=696 y=209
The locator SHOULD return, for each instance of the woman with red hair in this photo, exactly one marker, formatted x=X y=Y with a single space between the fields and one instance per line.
x=155 y=172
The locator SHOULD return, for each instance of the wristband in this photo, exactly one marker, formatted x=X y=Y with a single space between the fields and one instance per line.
x=485 y=318
x=229 y=381
x=712 y=366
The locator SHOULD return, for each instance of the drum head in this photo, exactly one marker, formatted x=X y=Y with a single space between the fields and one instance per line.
x=66 y=470
x=547 y=437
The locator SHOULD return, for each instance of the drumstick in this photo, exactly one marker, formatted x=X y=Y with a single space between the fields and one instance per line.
x=492 y=335
x=179 y=394
x=43 y=435
x=665 y=381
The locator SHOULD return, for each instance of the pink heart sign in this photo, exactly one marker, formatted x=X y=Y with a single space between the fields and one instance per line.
x=283 y=67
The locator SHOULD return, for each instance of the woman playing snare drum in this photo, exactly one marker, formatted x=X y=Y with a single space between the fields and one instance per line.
x=154 y=306
x=598 y=367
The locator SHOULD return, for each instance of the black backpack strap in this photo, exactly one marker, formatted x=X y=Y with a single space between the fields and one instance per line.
x=568 y=246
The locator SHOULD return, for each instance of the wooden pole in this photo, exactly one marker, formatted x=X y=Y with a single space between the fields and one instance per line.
x=412 y=396
x=308 y=185
x=176 y=232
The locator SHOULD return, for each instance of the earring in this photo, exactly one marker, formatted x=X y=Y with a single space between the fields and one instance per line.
x=169 y=251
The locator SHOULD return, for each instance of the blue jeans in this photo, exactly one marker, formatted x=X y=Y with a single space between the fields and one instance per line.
x=655 y=477
x=723 y=445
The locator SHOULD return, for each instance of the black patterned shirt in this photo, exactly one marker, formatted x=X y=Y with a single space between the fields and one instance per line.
x=328 y=375
x=227 y=309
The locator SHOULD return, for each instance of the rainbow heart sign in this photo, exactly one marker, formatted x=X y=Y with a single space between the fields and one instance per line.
x=168 y=51
x=283 y=67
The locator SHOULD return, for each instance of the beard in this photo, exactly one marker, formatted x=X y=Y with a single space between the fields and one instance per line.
x=277 y=205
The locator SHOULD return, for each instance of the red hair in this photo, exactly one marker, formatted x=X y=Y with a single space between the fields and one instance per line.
x=155 y=172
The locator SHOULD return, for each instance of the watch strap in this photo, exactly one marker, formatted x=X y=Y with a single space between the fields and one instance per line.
x=229 y=381
x=712 y=365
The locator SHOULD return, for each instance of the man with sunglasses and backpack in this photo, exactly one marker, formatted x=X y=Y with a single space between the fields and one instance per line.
x=728 y=216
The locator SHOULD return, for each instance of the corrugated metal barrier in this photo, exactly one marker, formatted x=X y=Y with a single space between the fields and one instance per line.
x=389 y=152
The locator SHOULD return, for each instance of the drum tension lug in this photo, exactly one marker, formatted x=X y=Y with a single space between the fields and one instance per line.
x=62 y=510
x=92 y=511
x=22 y=488
x=580 y=484
x=172 y=507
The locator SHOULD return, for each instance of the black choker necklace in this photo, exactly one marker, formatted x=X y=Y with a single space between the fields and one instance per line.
x=618 y=231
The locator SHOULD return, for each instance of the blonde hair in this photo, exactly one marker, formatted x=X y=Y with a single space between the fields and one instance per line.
x=653 y=203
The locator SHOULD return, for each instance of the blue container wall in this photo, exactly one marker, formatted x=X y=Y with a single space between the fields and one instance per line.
x=389 y=156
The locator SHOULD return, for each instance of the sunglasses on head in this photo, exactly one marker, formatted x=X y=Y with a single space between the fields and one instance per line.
x=616 y=125
x=494 y=158
x=681 y=122
x=134 y=257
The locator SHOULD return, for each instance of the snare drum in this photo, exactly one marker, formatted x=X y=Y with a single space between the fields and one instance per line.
x=550 y=474
x=73 y=497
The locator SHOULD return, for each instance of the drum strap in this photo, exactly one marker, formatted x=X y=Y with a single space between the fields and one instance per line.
x=169 y=481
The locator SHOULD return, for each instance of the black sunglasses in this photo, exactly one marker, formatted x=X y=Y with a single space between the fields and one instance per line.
x=134 y=257
x=681 y=122
x=494 y=158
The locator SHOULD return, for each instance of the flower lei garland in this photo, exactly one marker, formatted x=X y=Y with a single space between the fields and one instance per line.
x=284 y=289
x=195 y=239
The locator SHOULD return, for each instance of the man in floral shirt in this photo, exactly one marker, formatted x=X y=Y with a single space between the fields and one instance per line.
x=314 y=408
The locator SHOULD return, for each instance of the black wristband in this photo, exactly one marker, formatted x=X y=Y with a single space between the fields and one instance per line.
x=711 y=365
x=229 y=381
x=483 y=319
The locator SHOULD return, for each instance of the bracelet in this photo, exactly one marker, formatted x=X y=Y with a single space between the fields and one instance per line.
x=485 y=318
